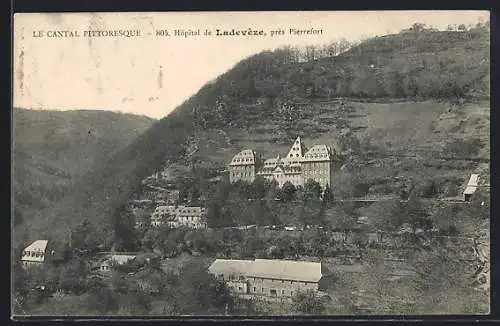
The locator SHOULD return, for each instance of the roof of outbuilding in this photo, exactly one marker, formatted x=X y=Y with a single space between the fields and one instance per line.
x=37 y=245
x=271 y=268
x=122 y=259
x=473 y=181
x=470 y=190
x=230 y=266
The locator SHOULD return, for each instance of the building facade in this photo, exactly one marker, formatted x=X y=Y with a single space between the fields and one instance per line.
x=176 y=216
x=105 y=264
x=319 y=163
x=270 y=277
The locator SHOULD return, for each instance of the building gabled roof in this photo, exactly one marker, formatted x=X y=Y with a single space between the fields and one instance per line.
x=297 y=150
x=121 y=259
x=37 y=245
x=35 y=252
x=245 y=157
x=230 y=266
x=473 y=181
x=288 y=270
x=271 y=268
x=470 y=190
x=318 y=153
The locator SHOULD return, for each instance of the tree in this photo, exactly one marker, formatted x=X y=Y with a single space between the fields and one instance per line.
x=306 y=302
x=103 y=301
x=84 y=236
x=312 y=190
x=148 y=239
x=73 y=276
x=429 y=189
x=287 y=192
x=442 y=275
x=360 y=241
x=413 y=212
x=385 y=216
x=125 y=233
x=327 y=195
x=134 y=303
x=200 y=292
x=460 y=148
x=258 y=188
x=418 y=27
x=118 y=282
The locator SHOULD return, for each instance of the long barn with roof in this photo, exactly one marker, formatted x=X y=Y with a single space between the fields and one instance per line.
x=319 y=163
x=271 y=277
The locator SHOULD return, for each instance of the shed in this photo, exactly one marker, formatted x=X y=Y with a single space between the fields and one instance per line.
x=471 y=187
x=468 y=193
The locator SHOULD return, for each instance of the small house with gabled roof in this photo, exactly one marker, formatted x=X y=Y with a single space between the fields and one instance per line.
x=38 y=252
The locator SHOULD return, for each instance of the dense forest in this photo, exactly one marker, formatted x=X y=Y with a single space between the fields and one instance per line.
x=53 y=149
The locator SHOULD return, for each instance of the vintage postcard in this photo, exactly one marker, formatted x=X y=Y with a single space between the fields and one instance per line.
x=251 y=164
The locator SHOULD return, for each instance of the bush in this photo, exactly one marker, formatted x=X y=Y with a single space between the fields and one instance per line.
x=306 y=302
x=464 y=148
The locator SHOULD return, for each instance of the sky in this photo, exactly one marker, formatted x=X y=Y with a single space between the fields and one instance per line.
x=151 y=75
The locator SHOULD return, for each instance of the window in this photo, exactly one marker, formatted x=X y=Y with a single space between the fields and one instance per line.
x=282 y=281
x=254 y=289
x=291 y=282
x=282 y=291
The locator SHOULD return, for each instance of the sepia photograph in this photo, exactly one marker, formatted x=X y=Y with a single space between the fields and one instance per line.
x=250 y=164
